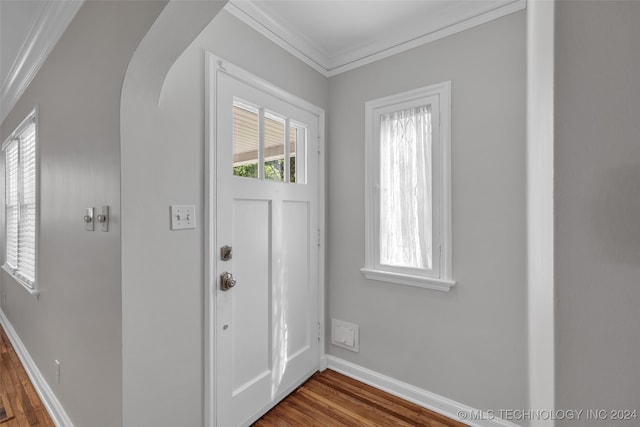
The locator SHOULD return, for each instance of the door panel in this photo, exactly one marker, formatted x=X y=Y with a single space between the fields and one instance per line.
x=251 y=318
x=267 y=210
x=296 y=267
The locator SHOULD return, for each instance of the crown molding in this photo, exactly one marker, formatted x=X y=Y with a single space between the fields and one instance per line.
x=52 y=20
x=382 y=48
x=455 y=20
x=293 y=43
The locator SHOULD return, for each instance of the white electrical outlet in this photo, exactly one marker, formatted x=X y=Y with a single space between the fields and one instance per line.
x=345 y=335
x=183 y=217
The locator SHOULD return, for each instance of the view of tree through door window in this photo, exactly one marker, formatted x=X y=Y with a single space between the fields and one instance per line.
x=259 y=145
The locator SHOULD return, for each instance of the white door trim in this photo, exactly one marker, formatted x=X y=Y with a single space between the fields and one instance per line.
x=213 y=66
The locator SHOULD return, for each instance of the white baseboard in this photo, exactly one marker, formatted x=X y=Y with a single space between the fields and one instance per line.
x=49 y=400
x=426 y=399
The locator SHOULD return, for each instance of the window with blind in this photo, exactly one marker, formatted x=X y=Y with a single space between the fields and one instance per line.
x=21 y=202
x=408 y=213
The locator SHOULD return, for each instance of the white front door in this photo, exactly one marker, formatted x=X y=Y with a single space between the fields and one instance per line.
x=266 y=325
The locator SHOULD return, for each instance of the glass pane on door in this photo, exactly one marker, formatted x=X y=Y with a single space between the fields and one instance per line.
x=260 y=147
x=246 y=140
x=274 y=155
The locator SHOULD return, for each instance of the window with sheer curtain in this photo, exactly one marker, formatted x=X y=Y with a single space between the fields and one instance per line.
x=408 y=188
x=405 y=188
x=21 y=203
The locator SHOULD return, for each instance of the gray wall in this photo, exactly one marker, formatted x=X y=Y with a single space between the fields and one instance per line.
x=77 y=318
x=164 y=287
x=597 y=176
x=469 y=344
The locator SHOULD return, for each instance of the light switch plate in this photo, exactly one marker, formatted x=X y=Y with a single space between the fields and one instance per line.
x=345 y=335
x=89 y=218
x=104 y=225
x=183 y=217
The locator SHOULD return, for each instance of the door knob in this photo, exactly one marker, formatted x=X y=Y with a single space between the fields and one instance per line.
x=227 y=281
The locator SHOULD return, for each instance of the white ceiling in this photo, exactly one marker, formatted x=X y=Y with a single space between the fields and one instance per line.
x=334 y=36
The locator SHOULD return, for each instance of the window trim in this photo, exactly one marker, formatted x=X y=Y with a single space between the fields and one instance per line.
x=441 y=190
x=34 y=288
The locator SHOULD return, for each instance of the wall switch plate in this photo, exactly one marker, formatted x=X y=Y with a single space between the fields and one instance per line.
x=183 y=217
x=345 y=335
x=89 y=219
x=103 y=219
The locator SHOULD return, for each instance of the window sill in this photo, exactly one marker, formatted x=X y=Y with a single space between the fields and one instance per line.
x=32 y=291
x=409 y=280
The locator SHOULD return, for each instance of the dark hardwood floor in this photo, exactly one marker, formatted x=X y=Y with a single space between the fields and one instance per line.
x=332 y=399
x=20 y=405
x=326 y=399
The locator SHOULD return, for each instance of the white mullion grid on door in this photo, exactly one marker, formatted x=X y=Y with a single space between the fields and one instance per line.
x=261 y=144
x=287 y=151
x=302 y=148
x=300 y=132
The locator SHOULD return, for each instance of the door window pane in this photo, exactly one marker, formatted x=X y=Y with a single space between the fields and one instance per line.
x=260 y=148
x=293 y=142
x=246 y=140
x=298 y=154
x=274 y=155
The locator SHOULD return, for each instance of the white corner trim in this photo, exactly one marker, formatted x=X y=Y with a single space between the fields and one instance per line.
x=51 y=22
x=409 y=280
x=540 y=207
x=49 y=400
x=434 y=402
x=383 y=46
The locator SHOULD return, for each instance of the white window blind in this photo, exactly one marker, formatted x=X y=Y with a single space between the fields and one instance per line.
x=21 y=202
x=11 y=203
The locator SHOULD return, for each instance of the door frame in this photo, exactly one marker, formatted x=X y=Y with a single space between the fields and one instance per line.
x=213 y=66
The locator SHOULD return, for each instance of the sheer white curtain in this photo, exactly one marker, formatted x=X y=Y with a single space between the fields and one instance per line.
x=405 y=188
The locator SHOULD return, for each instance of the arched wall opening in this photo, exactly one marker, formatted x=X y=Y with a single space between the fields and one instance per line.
x=163 y=163
x=159 y=317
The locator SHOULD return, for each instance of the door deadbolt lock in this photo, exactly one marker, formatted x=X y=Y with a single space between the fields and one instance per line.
x=226 y=253
x=227 y=281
